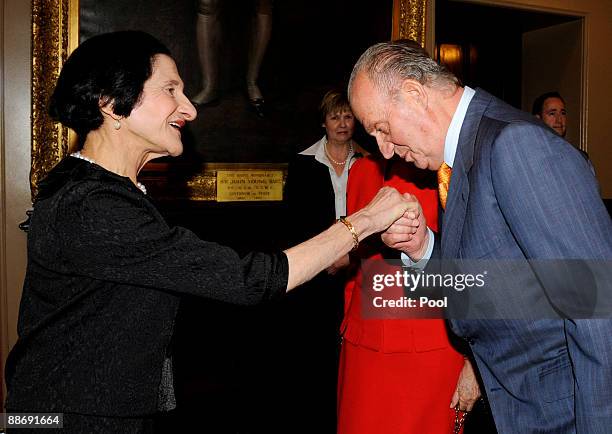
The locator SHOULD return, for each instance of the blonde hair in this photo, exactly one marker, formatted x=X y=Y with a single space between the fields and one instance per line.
x=333 y=102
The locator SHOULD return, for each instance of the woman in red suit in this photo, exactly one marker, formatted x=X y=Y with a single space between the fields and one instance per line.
x=396 y=376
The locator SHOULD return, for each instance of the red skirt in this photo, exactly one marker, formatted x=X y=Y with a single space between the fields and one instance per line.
x=396 y=393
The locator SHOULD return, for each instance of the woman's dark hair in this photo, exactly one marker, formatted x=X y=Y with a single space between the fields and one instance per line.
x=107 y=68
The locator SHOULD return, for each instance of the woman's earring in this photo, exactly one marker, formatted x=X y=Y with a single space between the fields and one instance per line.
x=117 y=124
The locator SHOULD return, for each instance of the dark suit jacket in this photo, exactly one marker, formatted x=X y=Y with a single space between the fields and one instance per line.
x=310 y=198
x=519 y=192
x=311 y=313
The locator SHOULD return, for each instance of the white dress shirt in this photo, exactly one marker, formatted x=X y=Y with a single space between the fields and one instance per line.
x=338 y=181
x=450 y=149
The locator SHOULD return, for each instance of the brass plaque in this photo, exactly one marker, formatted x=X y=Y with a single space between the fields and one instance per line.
x=249 y=185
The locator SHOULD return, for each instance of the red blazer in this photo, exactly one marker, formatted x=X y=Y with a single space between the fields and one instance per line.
x=367 y=176
x=396 y=376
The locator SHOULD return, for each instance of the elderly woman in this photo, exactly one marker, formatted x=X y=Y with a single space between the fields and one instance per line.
x=105 y=272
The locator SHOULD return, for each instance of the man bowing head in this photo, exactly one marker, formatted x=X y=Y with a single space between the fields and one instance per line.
x=509 y=188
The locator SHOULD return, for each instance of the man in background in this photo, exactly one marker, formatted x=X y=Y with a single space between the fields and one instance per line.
x=550 y=107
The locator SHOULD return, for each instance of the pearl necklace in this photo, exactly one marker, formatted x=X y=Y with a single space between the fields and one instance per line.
x=339 y=163
x=89 y=160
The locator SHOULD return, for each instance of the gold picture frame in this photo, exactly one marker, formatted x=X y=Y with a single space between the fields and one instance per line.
x=55 y=33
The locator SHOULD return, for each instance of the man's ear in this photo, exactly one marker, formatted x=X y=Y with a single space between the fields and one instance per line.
x=413 y=91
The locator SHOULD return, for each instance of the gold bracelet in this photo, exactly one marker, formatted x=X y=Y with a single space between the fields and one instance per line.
x=350 y=227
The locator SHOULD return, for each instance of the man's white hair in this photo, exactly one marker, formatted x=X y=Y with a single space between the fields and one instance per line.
x=387 y=64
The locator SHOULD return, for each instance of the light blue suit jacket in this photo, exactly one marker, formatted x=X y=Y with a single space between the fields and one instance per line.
x=520 y=192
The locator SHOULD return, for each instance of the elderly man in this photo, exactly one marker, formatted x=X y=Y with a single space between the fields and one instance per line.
x=517 y=191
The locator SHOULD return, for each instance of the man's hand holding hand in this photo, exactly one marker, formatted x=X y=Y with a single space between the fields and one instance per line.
x=409 y=233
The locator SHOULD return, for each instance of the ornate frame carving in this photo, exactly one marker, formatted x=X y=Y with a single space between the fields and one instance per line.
x=55 y=33
x=409 y=19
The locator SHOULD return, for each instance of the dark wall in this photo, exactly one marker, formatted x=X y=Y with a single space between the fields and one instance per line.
x=495 y=33
x=313 y=46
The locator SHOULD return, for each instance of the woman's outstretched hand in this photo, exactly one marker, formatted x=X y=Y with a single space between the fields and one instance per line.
x=314 y=255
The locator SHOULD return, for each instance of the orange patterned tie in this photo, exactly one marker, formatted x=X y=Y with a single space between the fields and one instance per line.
x=444 y=176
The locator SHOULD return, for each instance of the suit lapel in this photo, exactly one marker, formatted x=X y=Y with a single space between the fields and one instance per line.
x=454 y=216
x=459 y=190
